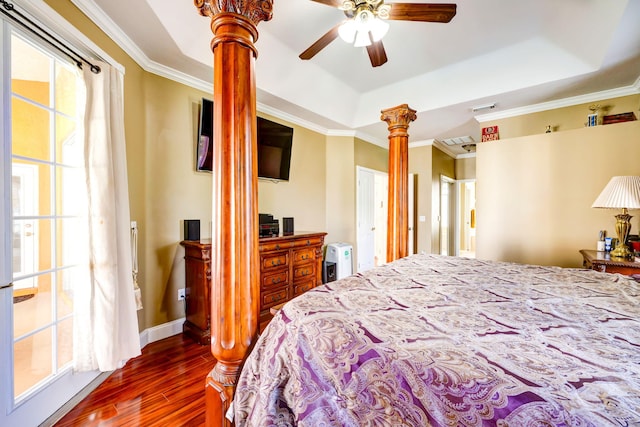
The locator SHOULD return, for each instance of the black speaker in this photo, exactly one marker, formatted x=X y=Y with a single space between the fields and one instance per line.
x=287 y=226
x=328 y=272
x=191 y=229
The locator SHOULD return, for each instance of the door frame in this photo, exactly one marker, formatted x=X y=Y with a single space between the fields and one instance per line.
x=453 y=217
x=459 y=213
x=359 y=253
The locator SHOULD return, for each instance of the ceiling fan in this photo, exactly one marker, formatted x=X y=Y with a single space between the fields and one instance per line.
x=366 y=23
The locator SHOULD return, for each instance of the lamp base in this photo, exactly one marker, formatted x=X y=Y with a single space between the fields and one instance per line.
x=621 y=251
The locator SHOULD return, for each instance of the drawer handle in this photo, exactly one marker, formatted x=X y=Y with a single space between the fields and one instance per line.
x=274 y=281
x=275 y=298
x=277 y=247
x=277 y=262
x=305 y=256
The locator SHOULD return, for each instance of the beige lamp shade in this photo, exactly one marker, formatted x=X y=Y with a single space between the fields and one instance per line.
x=621 y=192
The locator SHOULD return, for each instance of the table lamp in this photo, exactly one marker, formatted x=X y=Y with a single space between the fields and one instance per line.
x=622 y=192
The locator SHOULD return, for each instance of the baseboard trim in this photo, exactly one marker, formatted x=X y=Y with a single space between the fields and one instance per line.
x=160 y=332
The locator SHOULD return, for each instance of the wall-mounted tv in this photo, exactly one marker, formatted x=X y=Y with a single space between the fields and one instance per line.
x=205 y=136
x=274 y=150
x=274 y=145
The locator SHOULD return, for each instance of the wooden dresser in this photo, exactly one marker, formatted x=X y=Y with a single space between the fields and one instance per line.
x=289 y=266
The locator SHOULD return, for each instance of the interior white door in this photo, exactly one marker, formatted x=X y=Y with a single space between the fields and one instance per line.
x=365 y=211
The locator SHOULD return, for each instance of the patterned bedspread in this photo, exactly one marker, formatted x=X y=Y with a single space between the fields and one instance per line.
x=442 y=341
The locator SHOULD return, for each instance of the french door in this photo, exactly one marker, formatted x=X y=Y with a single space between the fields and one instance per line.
x=42 y=205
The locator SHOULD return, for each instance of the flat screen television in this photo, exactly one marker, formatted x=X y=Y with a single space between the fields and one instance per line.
x=274 y=145
x=204 y=161
x=274 y=150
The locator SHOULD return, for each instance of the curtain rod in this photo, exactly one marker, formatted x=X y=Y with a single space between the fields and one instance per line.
x=8 y=8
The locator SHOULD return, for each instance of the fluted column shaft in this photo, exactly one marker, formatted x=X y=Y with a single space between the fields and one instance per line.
x=234 y=242
x=398 y=119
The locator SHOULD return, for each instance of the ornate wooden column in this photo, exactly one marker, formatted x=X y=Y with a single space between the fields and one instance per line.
x=234 y=250
x=398 y=119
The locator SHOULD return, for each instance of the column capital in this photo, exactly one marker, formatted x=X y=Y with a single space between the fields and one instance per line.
x=253 y=10
x=398 y=119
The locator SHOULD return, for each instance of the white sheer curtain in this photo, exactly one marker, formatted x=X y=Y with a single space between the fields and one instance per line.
x=106 y=323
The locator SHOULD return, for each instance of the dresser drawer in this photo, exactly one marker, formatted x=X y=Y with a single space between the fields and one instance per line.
x=274 y=246
x=269 y=299
x=304 y=255
x=309 y=241
x=302 y=287
x=304 y=271
x=277 y=279
x=275 y=260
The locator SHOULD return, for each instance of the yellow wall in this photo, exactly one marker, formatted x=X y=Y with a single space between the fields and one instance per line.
x=371 y=156
x=562 y=119
x=535 y=192
x=303 y=196
x=465 y=168
x=340 y=189
x=420 y=164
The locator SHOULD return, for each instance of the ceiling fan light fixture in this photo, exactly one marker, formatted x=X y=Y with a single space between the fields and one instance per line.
x=383 y=11
x=362 y=38
x=378 y=29
x=357 y=30
x=347 y=31
x=347 y=5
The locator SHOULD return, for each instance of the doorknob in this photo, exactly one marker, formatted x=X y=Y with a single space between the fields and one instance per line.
x=373 y=228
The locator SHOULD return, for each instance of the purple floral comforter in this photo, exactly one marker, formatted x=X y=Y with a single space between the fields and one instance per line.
x=443 y=341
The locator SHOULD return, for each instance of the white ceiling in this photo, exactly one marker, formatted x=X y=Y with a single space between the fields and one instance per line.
x=522 y=55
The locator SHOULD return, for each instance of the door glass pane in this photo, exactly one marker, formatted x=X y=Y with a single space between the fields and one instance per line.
x=68 y=145
x=71 y=191
x=64 y=294
x=33 y=360
x=65 y=342
x=30 y=72
x=65 y=90
x=30 y=127
x=32 y=305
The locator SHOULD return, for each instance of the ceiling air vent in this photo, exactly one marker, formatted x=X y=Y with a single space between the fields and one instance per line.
x=460 y=140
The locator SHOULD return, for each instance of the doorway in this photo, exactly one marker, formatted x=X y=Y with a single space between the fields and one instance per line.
x=371 y=210
x=457 y=217
x=467 y=218
x=448 y=203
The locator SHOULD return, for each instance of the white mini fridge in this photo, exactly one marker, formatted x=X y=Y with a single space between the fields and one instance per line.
x=342 y=255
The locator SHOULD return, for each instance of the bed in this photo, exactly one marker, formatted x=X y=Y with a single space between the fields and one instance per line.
x=430 y=340
x=424 y=340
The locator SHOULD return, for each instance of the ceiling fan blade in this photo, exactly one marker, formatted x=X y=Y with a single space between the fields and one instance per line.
x=377 y=54
x=424 y=12
x=334 y=3
x=321 y=43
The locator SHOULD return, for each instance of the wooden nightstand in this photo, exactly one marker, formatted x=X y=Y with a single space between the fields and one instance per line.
x=602 y=261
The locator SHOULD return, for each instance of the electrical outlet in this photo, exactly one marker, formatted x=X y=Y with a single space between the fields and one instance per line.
x=180 y=294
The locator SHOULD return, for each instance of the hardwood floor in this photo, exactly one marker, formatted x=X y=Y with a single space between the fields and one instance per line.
x=162 y=387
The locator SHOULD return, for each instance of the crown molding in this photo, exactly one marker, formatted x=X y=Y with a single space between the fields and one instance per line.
x=422 y=143
x=111 y=29
x=561 y=103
